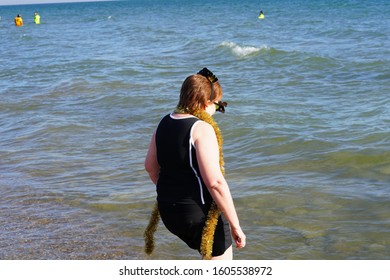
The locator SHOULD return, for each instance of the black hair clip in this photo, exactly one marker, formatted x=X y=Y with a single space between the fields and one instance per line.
x=208 y=74
x=212 y=79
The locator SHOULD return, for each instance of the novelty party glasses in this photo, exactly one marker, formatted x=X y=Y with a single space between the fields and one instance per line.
x=219 y=106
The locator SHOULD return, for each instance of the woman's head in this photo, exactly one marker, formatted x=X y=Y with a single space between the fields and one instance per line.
x=198 y=90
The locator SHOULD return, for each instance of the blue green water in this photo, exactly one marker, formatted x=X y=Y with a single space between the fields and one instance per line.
x=306 y=132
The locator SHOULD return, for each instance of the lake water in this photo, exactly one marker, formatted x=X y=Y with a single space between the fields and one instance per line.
x=306 y=132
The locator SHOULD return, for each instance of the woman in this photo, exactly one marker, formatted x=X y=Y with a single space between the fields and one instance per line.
x=18 y=20
x=37 y=18
x=185 y=162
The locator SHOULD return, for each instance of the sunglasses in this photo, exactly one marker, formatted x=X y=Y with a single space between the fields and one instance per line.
x=219 y=106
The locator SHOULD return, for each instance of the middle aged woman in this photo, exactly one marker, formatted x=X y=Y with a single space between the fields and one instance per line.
x=185 y=162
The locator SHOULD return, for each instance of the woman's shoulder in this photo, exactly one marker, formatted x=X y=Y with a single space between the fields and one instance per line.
x=202 y=128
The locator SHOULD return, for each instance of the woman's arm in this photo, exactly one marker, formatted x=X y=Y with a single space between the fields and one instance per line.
x=151 y=163
x=207 y=152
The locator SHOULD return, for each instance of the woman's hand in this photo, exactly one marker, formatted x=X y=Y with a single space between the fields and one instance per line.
x=238 y=237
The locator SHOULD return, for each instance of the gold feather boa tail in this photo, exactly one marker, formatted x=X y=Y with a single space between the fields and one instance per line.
x=151 y=229
x=206 y=245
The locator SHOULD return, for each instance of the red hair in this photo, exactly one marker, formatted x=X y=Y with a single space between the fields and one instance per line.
x=195 y=93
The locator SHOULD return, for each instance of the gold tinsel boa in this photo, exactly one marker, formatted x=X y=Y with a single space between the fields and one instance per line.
x=206 y=245
x=151 y=229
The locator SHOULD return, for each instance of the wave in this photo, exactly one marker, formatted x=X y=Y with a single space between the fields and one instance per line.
x=243 y=51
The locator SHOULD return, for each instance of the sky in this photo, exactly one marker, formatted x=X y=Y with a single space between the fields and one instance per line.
x=18 y=2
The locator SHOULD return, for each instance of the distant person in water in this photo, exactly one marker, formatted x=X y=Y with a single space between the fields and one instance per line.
x=18 y=20
x=37 y=18
x=261 y=15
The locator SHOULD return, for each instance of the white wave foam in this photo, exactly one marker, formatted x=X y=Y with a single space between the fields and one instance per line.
x=242 y=51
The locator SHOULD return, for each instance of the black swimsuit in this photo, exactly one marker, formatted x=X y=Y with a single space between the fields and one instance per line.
x=183 y=198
